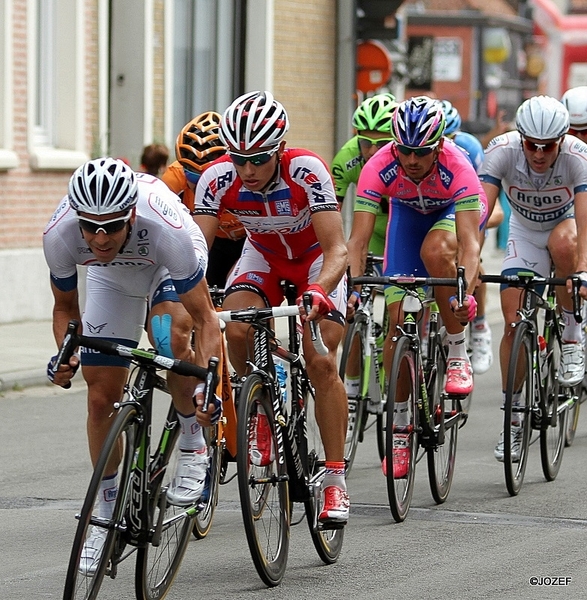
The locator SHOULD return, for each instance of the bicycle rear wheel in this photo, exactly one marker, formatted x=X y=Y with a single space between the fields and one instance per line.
x=328 y=542
x=554 y=423
x=444 y=410
x=352 y=366
x=83 y=580
x=403 y=391
x=263 y=490
x=573 y=416
x=158 y=562
x=519 y=399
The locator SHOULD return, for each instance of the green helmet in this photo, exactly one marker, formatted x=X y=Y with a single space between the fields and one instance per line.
x=374 y=114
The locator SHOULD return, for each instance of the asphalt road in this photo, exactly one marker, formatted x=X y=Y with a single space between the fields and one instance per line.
x=480 y=544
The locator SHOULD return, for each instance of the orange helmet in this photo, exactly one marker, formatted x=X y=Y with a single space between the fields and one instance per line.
x=198 y=143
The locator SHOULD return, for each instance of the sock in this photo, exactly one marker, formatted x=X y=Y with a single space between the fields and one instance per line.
x=456 y=345
x=107 y=497
x=479 y=323
x=572 y=330
x=334 y=475
x=352 y=386
x=400 y=414
x=517 y=401
x=191 y=436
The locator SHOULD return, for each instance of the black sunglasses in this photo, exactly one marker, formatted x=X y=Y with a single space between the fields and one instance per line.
x=419 y=152
x=108 y=227
x=258 y=159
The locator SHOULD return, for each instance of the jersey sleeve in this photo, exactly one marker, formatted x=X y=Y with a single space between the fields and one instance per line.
x=495 y=165
x=370 y=188
x=311 y=173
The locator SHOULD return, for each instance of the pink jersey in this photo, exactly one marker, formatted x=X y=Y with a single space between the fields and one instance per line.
x=277 y=220
x=452 y=180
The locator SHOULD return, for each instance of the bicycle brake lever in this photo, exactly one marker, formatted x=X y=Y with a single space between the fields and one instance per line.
x=209 y=383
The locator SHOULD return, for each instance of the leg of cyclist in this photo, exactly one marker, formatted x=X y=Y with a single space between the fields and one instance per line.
x=562 y=245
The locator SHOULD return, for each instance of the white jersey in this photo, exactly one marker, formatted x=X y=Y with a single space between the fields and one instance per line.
x=163 y=235
x=538 y=201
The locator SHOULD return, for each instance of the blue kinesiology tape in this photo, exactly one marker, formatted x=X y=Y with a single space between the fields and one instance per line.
x=161 y=328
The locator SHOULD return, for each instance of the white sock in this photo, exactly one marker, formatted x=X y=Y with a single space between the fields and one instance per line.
x=400 y=414
x=352 y=386
x=572 y=330
x=456 y=345
x=191 y=435
x=107 y=497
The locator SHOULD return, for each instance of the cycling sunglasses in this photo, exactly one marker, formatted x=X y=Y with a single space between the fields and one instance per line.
x=366 y=142
x=419 y=152
x=192 y=176
x=533 y=147
x=108 y=227
x=258 y=159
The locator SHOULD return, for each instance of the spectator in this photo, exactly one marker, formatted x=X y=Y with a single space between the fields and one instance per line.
x=154 y=159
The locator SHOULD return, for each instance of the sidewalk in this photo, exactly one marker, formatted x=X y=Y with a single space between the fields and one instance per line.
x=25 y=348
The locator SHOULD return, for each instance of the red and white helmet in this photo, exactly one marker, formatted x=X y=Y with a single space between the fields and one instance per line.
x=254 y=120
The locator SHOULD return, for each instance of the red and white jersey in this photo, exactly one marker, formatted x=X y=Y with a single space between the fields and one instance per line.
x=277 y=220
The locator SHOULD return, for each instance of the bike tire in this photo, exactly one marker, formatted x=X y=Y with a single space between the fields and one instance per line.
x=121 y=442
x=209 y=499
x=554 y=424
x=574 y=412
x=327 y=542
x=263 y=490
x=400 y=489
x=354 y=348
x=441 y=459
x=520 y=380
x=157 y=565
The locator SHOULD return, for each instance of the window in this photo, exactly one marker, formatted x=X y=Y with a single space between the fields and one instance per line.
x=203 y=58
x=8 y=158
x=56 y=84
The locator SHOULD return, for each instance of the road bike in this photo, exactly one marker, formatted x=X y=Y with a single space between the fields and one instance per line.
x=534 y=399
x=142 y=521
x=431 y=417
x=296 y=470
x=361 y=363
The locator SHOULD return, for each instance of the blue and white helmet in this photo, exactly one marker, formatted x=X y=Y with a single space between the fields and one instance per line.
x=103 y=186
x=452 y=116
x=418 y=122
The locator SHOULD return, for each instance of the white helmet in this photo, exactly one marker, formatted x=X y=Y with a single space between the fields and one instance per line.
x=542 y=118
x=575 y=100
x=254 y=120
x=103 y=186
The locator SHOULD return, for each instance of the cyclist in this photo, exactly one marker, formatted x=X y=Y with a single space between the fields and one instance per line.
x=479 y=331
x=138 y=242
x=285 y=199
x=575 y=100
x=372 y=121
x=197 y=145
x=542 y=173
x=434 y=224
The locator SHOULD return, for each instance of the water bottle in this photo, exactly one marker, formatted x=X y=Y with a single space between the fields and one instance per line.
x=281 y=375
x=542 y=357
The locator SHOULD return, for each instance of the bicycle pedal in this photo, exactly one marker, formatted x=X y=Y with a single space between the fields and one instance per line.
x=330 y=526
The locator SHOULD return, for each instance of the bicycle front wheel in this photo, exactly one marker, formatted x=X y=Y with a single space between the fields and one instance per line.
x=519 y=399
x=554 y=422
x=352 y=369
x=263 y=488
x=573 y=416
x=158 y=562
x=445 y=413
x=401 y=432
x=86 y=571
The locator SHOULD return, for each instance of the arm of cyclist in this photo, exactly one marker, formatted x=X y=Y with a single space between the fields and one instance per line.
x=467 y=227
x=65 y=308
x=581 y=221
x=209 y=226
x=329 y=232
x=198 y=303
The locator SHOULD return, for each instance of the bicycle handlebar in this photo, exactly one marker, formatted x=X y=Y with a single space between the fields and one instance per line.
x=253 y=314
x=408 y=282
x=146 y=357
x=531 y=280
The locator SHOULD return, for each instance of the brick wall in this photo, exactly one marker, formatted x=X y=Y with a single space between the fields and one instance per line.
x=304 y=71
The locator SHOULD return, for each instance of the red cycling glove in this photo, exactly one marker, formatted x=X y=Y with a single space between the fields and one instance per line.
x=319 y=298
